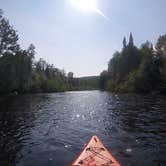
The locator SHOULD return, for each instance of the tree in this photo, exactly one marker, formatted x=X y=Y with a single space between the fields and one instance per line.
x=115 y=65
x=124 y=42
x=131 y=41
x=136 y=69
x=8 y=37
x=161 y=46
x=70 y=75
x=41 y=65
x=31 y=51
x=103 y=79
x=1 y=13
x=70 y=79
x=24 y=70
x=18 y=72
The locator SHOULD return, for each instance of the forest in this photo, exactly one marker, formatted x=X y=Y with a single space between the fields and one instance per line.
x=84 y=83
x=133 y=69
x=20 y=72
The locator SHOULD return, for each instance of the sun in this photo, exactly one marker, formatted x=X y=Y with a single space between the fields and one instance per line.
x=85 y=5
x=88 y=6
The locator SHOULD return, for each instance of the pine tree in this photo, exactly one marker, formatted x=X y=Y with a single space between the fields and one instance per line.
x=124 y=42
x=131 y=42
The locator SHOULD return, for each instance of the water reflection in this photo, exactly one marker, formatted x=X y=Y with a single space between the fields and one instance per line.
x=17 y=117
x=42 y=129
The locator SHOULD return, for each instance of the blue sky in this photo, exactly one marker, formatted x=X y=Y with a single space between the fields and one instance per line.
x=83 y=42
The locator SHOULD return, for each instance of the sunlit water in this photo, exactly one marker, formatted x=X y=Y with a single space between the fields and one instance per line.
x=51 y=129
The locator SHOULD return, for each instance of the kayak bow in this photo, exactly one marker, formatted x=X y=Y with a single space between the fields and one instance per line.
x=95 y=154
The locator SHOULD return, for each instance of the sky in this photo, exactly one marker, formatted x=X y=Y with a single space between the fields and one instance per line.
x=83 y=42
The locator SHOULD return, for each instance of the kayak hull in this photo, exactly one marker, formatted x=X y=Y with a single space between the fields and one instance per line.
x=95 y=154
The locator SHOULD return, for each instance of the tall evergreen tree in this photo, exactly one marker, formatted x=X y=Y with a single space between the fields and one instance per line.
x=124 y=42
x=1 y=13
x=131 y=41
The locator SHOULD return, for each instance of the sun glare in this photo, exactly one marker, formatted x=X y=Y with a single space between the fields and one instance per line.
x=85 y=5
x=88 y=6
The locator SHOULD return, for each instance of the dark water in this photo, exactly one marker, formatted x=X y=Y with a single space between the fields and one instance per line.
x=51 y=129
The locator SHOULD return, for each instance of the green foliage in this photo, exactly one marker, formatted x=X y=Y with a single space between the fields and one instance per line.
x=8 y=37
x=103 y=80
x=18 y=69
x=124 y=62
x=138 y=70
x=161 y=46
x=84 y=83
x=130 y=70
x=47 y=78
x=15 y=73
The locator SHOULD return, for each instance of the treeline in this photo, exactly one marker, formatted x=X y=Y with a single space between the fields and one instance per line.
x=20 y=72
x=131 y=69
x=83 y=83
x=136 y=69
x=88 y=83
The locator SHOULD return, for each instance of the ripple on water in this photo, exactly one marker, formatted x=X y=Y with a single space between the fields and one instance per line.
x=42 y=129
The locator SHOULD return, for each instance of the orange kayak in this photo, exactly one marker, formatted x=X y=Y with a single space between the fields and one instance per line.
x=95 y=154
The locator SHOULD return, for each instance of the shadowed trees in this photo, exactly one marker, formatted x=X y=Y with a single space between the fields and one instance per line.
x=18 y=69
x=125 y=61
x=124 y=42
x=161 y=46
x=103 y=79
x=20 y=72
x=15 y=71
x=86 y=83
x=131 y=69
x=137 y=69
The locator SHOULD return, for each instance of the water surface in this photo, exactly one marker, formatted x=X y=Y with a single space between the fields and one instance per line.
x=51 y=129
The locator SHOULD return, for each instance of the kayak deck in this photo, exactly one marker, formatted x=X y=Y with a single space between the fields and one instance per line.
x=95 y=154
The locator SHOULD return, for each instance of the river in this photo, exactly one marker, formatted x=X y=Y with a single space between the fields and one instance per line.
x=51 y=129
